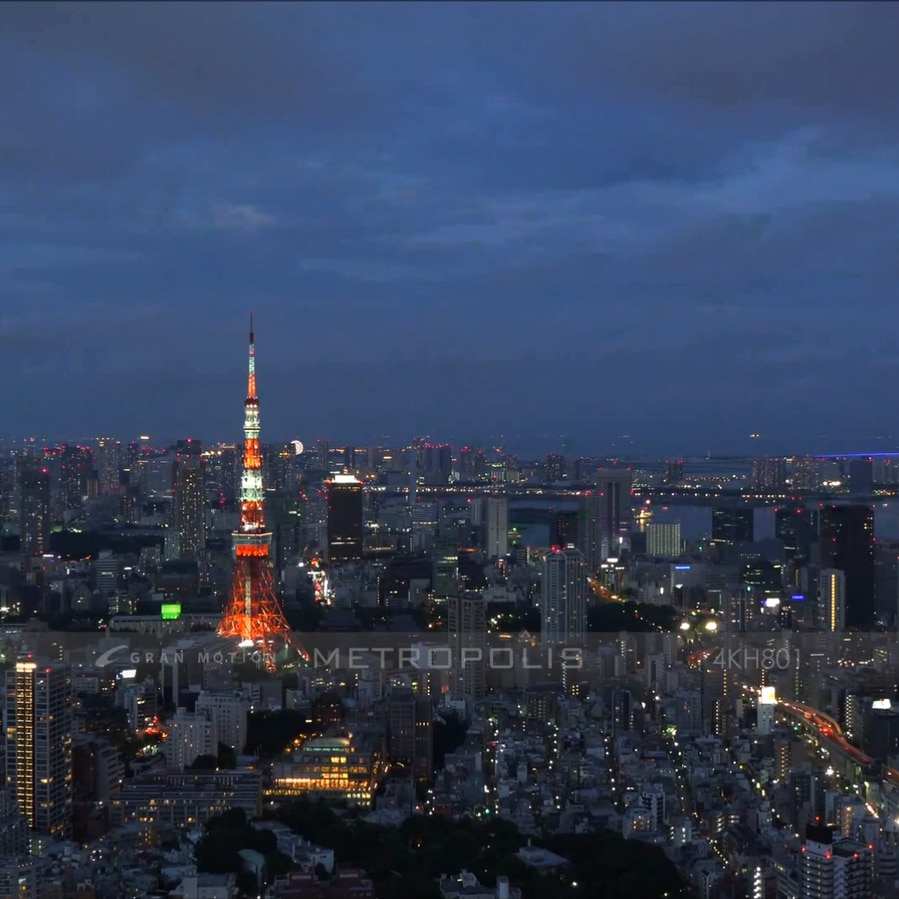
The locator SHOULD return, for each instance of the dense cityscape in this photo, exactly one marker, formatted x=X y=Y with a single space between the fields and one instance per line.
x=446 y=450
x=428 y=670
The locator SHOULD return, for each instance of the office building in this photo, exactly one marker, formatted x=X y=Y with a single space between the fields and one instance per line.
x=445 y=563
x=189 y=735
x=732 y=525
x=410 y=733
x=345 y=519
x=496 y=526
x=798 y=530
x=604 y=515
x=39 y=744
x=831 y=600
x=227 y=710
x=34 y=508
x=663 y=540
x=185 y=799
x=847 y=544
x=189 y=501
x=564 y=529
x=467 y=632
x=563 y=601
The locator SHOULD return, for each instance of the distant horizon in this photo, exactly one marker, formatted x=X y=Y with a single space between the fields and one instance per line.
x=525 y=448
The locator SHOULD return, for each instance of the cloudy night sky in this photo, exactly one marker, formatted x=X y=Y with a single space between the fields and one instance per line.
x=678 y=222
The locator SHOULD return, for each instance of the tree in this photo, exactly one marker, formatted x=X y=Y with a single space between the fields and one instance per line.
x=227 y=757
x=204 y=763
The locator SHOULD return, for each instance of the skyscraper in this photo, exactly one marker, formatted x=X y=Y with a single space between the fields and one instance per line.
x=732 y=525
x=798 y=529
x=563 y=601
x=110 y=461
x=496 y=521
x=189 y=488
x=39 y=744
x=74 y=464
x=345 y=518
x=604 y=514
x=663 y=540
x=34 y=508
x=467 y=632
x=410 y=732
x=847 y=544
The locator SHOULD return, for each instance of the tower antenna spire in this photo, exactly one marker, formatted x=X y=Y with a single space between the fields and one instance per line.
x=252 y=340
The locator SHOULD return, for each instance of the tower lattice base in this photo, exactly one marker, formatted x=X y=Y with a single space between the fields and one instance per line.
x=253 y=614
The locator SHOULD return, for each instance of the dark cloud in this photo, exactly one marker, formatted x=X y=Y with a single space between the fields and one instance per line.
x=471 y=219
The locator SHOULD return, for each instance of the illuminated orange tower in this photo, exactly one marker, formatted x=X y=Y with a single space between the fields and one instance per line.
x=252 y=613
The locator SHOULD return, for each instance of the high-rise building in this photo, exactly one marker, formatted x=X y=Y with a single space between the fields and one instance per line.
x=564 y=529
x=189 y=502
x=467 y=633
x=847 y=544
x=834 y=869
x=563 y=600
x=798 y=529
x=345 y=518
x=39 y=744
x=472 y=462
x=188 y=736
x=75 y=462
x=663 y=540
x=496 y=521
x=436 y=463
x=323 y=454
x=34 y=508
x=604 y=514
x=673 y=473
x=553 y=468
x=445 y=563
x=769 y=474
x=831 y=600
x=732 y=525
x=110 y=459
x=227 y=710
x=409 y=733
x=861 y=477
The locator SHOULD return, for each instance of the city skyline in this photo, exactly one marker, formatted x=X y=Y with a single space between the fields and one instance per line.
x=453 y=220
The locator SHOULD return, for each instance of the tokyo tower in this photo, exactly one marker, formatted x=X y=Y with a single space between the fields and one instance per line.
x=252 y=613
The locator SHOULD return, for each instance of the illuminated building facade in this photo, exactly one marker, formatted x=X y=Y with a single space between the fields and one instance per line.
x=189 y=495
x=185 y=798
x=39 y=744
x=563 y=600
x=34 y=509
x=330 y=767
x=252 y=613
x=831 y=600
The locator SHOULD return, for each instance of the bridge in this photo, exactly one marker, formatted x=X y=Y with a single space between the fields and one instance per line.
x=855 y=765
